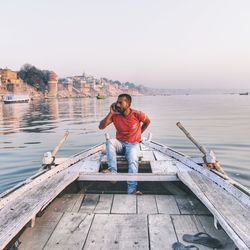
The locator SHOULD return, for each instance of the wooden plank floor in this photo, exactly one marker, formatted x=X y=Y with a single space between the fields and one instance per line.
x=120 y=221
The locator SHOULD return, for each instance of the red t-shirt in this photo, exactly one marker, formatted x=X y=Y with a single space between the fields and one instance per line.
x=128 y=128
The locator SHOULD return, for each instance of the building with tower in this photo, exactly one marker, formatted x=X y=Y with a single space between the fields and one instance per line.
x=52 y=84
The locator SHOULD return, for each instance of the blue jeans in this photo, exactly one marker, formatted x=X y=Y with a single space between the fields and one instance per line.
x=114 y=146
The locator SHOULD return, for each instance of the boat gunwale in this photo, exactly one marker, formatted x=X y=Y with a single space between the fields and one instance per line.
x=223 y=181
x=20 y=188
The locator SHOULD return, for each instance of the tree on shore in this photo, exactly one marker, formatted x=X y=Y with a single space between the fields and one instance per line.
x=34 y=76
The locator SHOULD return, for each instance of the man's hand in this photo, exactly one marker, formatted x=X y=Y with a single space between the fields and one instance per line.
x=108 y=119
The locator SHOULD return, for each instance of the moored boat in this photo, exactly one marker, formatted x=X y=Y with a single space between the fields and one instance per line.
x=73 y=205
x=100 y=97
x=15 y=98
x=243 y=93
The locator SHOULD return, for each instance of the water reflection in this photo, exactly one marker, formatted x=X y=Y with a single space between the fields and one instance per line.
x=29 y=130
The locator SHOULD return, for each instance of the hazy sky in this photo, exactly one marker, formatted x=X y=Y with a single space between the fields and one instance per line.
x=160 y=43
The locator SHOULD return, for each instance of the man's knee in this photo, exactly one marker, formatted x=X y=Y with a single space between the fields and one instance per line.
x=132 y=158
x=111 y=143
x=132 y=155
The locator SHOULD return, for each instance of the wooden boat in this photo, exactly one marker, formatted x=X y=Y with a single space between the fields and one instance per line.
x=243 y=93
x=73 y=205
x=16 y=98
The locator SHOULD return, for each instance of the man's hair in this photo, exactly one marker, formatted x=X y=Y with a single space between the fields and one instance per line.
x=127 y=96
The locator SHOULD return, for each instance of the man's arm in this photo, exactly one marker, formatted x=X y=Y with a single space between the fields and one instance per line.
x=106 y=121
x=145 y=124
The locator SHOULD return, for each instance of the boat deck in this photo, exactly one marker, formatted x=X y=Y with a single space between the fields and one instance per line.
x=93 y=213
x=120 y=221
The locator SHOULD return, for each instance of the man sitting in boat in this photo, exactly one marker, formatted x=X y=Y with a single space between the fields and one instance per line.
x=129 y=124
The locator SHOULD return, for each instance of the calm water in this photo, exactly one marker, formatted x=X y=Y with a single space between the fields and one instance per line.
x=220 y=122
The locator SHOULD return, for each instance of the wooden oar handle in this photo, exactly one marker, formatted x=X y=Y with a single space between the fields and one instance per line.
x=189 y=136
x=60 y=144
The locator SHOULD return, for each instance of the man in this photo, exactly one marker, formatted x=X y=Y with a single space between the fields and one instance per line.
x=129 y=124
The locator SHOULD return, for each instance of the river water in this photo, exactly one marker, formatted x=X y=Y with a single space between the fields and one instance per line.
x=219 y=122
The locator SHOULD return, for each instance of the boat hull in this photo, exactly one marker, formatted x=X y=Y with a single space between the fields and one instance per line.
x=8 y=99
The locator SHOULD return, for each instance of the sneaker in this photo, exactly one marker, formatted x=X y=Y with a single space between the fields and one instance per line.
x=106 y=171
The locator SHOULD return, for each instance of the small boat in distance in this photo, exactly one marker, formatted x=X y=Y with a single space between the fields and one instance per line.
x=245 y=93
x=15 y=98
x=99 y=97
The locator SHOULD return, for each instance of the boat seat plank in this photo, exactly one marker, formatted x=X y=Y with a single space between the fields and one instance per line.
x=148 y=156
x=207 y=223
x=70 y=232
x=104 y=204
x=128 y=177
x=65 y=203
x=118 y=231
x=161 y=232
x=163 y=167
x=233 y=216
x=146 y=204
x=190 y=205
x=187 y=224
x=124 y=204
x=89 y=203
x=121 y=159
x=39 y=235
x=17 y=213
x=88 y=166
x=166 y=204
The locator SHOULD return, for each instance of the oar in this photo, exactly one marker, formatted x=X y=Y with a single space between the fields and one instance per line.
x=48 y=158
x=209 y=156
x=60 y=144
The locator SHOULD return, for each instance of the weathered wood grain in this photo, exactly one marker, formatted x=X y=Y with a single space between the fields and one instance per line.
x=185 y=163
x=227 y=206
x=166 y=204
x=17 y=213
x=190 y=205
x=36 y=238
x=89 y=203
x=104 y=204
x=78 y=203
x=116 y=231
x=186 y=224
x=71 y=232
x=128 y=177
x=65 y=203
x=163 y=167
x=148 y=156
x=91 y=164
x=207 y=223
x=233 y=216
x=146 y=204
x=159 y=156
x=124 y=204
x=161 y=232
x=39 y=178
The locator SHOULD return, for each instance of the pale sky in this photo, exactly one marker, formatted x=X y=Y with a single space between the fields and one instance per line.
x=160 y=43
